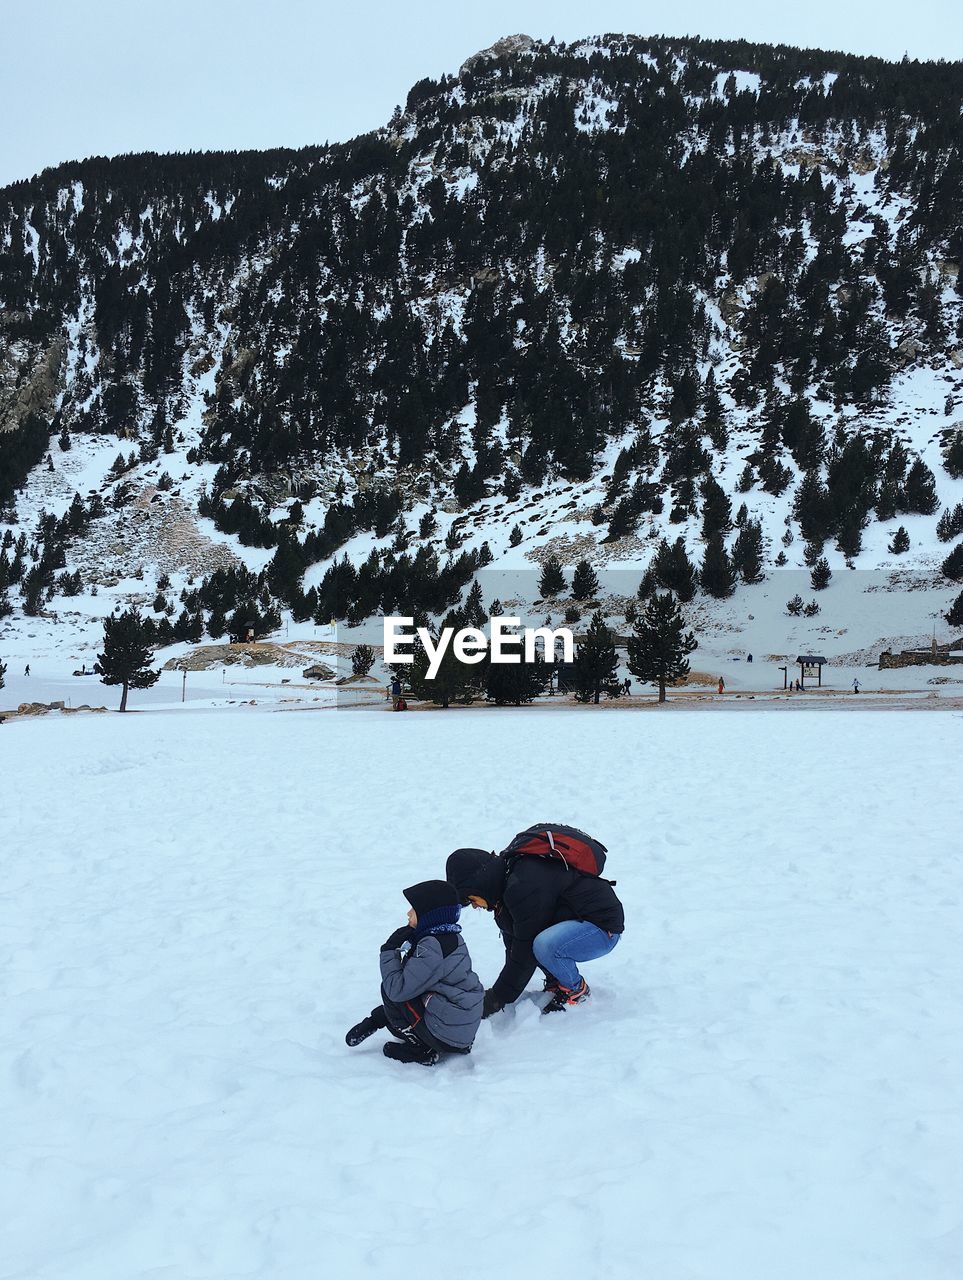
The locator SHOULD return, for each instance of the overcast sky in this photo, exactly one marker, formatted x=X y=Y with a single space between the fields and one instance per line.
x=102 y=77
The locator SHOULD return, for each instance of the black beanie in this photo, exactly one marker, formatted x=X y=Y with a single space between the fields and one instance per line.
x=431 y=894
x=475 y=871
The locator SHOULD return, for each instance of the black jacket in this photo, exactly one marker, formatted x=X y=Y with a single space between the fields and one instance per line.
x=536 y=893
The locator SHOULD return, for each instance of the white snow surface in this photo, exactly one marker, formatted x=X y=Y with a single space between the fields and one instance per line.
x=764 y=1083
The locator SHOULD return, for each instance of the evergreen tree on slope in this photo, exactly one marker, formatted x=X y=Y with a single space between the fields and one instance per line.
x=747 y=552
x=717 y=575
x=954 y=616
x=552 y=580
x=585 y=583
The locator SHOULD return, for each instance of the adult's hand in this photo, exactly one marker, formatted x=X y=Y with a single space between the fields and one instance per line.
x=491 y=1004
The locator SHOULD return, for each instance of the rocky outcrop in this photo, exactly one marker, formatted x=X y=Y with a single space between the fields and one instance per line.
x=731 y=307
x=34 y=392
x=234 y=378
x=507 y=47
x=908 y=350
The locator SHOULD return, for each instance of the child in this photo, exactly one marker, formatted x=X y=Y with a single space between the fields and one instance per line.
x=431 y=999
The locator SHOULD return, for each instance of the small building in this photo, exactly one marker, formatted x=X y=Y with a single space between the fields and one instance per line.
x=934 y=655
x=318 y=672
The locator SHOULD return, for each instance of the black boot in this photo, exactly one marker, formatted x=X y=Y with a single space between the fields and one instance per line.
x=565 y=998
x=408 y=1052
x=375 y=1021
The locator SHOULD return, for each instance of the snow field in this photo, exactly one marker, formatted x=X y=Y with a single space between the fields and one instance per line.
x=764 y=1083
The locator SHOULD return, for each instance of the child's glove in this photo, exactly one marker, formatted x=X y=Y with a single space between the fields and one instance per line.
x=491 y=1004
x=398 y=938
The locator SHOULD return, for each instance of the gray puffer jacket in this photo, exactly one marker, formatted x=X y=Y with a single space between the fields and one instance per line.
x=438 y=970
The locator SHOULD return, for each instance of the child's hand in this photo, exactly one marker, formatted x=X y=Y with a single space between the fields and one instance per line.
x=400 y=936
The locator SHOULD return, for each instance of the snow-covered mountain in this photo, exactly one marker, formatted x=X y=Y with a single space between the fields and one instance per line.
x=554 y=306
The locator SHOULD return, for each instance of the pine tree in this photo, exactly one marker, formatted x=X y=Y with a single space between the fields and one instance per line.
x=747 y=552
x=920 y=493
x=952 y=566
x=821 y=574
x=674 y=570
x=955 y=613
x=715 y=416
x=949 y=525
x=794 y=607
x=900 y=543
x=512 y=684
x=596 y=662
x=585 y=583
x=813 y=509
x=217 y=624
x=127 y=654
x=454 y=681
x=849 y=534
x=551 y=583
x=475 y=615
x=515 y=537
x=717 y=577
x=953 y=456
x=660 y=645
x=716 y=509
x=647 y=584
x=3 y=672
x=362 y=660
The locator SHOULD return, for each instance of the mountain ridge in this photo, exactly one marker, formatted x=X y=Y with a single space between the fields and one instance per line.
x=379 y=344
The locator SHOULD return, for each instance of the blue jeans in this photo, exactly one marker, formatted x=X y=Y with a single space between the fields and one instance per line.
x=559 y=946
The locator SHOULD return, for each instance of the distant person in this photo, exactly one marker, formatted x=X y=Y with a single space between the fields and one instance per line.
x=401 y=704
x=856 y=686
x=722 y=685
x=799 y=688
x=748 y=657
x=26 y=670
x=396 y=691
x=431 y=998
x=627 y=685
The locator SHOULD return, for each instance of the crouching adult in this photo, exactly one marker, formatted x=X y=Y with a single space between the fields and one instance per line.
x=551 y=917
x=431 y=998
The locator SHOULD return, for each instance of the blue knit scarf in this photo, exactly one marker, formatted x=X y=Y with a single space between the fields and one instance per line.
x=438 y=920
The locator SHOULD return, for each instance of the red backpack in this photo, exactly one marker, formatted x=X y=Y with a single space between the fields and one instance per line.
x=573 y=848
